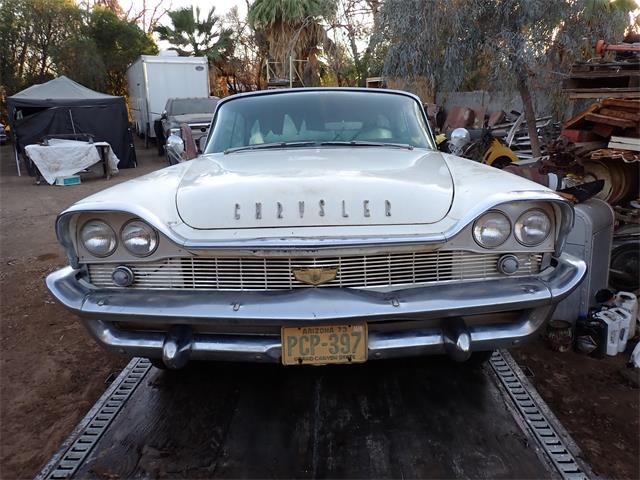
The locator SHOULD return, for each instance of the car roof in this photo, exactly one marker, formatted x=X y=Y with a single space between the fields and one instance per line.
x=281 y=91
x=193 y=98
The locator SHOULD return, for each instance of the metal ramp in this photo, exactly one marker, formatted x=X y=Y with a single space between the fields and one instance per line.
x=421 y=418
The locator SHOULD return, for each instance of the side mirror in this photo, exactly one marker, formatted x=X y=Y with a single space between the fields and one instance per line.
x=175 y=149
x=164 y=115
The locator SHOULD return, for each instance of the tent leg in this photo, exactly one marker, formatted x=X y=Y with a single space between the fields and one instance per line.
x=15 y=154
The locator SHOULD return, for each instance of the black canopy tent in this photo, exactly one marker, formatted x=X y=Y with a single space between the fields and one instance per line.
x=62 y=106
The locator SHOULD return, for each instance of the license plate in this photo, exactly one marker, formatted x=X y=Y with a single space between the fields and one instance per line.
x=326 y=344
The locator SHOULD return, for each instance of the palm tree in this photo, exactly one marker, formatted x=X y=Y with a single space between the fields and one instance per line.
x=292 y=28
x=192 y=35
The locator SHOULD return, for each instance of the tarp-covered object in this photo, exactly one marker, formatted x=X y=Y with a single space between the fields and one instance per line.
x=62 y=106
x=61 y=158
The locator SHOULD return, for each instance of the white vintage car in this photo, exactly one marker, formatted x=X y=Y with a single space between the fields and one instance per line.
x=320 y=226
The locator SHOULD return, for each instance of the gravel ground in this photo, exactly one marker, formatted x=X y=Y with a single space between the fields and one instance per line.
x=51 y=372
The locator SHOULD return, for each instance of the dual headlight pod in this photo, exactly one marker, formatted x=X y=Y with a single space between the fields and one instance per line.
x=100 y=240
x=530 y=229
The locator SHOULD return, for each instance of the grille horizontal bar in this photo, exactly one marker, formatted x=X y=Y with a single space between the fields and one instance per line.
x=276 y=273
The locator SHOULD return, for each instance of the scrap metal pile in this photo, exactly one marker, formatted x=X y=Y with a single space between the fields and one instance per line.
x=515 y=133
x=611 y=77
x=604 y=143
x=510 y=128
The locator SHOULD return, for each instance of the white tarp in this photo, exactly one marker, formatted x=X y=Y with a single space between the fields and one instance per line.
x=62 y=158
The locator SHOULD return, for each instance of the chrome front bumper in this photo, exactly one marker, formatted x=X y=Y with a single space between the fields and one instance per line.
x=445 y=305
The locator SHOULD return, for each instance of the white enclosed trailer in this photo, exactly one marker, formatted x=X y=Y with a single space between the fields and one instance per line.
x=154 y=79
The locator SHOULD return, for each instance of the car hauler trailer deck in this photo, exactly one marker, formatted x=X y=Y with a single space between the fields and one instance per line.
x=421 y=418
x=153 y=79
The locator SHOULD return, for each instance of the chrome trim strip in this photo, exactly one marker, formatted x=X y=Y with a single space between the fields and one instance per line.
x=320 y=243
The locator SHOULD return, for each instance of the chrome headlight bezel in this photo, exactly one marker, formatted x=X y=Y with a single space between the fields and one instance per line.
x=108 y=229
x=519 y=226
x=477 y=225
x=141 y=224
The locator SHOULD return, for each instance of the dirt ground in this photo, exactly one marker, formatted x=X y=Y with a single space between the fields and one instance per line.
x=594 y=400
x=51 y=372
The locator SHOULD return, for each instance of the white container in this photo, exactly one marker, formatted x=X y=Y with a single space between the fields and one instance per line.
x=629 y=301
x=154 y=79
x=635 y=356
x=69 y=180
x=625 y=319
x=612 y=321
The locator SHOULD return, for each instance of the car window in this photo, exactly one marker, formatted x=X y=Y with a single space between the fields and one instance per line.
x=319 y=116
x=183 y=106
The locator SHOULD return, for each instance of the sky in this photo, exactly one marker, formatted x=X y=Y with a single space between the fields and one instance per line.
x=222 y=7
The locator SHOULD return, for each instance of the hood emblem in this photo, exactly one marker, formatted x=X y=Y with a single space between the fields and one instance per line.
x=315 y=276
x=321 y=209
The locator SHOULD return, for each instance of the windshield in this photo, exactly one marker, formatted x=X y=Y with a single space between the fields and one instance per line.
x=319 y=117
x=183 y=106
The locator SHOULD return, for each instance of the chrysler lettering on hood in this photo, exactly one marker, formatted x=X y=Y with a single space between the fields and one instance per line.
x=315 y=187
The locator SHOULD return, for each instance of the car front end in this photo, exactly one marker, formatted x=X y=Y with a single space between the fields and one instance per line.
x=316 y=253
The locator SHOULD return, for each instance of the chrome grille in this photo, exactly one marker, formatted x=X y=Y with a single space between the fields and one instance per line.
x=276 y=273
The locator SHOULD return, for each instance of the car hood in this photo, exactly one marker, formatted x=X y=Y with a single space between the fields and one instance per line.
x=192 y=118
x=315 y=187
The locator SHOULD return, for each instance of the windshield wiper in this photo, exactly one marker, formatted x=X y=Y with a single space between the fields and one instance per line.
x=260 y=146
x=361 y=143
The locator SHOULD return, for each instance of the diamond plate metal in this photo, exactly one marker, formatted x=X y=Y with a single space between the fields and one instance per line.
x=532 y=413
x=92 y=427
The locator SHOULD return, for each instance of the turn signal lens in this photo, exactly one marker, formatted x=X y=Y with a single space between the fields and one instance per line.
x=532 y=228
x=492 y=229
x=139 y=238
x=98 y=238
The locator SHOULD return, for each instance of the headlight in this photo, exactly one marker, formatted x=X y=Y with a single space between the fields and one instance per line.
x=139 y=238
x=491 y=229
x=98 y=238
x=532 y=228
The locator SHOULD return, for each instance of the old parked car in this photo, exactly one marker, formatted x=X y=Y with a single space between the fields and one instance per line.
x=320 y=226
x=196 y=113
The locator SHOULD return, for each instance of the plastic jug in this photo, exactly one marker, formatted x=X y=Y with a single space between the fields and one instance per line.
x=624 y=321
x=612 y=321
x=629 y=301
x=635 y=356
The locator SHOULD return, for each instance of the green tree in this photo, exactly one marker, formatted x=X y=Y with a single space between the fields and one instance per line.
x=501 y=44
x=79 y=58
x=11 y=24
x=32 y=32
x=192 y=35
x=118 y=43
x=45 y=38
x=293 y=28
x=353 y=26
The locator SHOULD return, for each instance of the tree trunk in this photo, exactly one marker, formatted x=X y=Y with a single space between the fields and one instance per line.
x=529 y=113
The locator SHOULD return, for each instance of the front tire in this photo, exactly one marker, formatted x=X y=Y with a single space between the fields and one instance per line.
x=158 y=363
x=478 y=359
